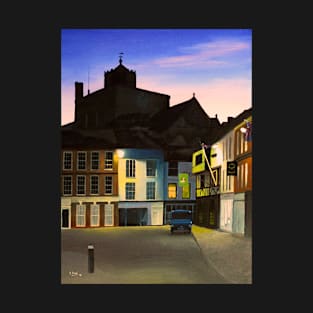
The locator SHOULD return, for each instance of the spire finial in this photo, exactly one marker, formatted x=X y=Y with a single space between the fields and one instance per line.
x=121 y=55
x=193 y=94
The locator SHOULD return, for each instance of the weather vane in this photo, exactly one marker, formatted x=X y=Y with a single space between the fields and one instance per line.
x=121 y=55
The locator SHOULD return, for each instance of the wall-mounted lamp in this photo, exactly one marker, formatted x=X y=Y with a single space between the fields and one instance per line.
x=120 y=153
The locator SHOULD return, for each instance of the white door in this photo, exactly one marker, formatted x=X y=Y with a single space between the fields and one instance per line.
x=156 y=216
x=226 y=214
x=108 y=214
x=239 y=217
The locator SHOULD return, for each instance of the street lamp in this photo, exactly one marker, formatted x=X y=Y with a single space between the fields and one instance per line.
x=120 y=153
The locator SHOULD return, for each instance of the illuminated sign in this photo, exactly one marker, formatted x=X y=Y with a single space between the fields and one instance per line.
x=232 y=168
x=207 y=191
x=183 y=179
x=198 y=162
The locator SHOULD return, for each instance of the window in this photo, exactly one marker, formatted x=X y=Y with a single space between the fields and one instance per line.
x=246 y=174
x=67 y=160
x=94 y=184
x=151 y=167
x=130 y=191
x=172 y=191
x=94 y=215
x=130 y=168
x=94 y=160
x=172 y=168
x=81 y=160
x=186 y=192
x=80 y=215
x=241 y=178
x=238 y=176
x=67 y=185
x=81 y=184
x=108 y=214
x=241 y=141
x=228 y=182
x=150 y=191
x=245 y=144
x=108 y=162
x=229 y=149
x=237 y=142
x=198 y=181
x=108 y=185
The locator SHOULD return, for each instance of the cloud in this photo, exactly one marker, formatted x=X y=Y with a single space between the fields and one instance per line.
x=204 y=55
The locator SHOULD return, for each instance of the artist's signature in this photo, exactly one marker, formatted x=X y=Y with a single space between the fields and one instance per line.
x=73 y=274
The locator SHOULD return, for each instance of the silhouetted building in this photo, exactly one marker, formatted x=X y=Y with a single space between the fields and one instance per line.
x=122 y=116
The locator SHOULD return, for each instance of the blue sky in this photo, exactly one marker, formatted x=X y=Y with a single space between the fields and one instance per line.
x=215 y=64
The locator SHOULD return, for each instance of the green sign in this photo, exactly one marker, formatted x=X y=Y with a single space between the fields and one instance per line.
x=183 y=180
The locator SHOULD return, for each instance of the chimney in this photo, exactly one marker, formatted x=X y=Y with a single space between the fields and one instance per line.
x=79 y=90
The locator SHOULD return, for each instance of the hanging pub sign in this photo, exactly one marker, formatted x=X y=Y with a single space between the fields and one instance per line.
x=183 y=179
x=231 y=168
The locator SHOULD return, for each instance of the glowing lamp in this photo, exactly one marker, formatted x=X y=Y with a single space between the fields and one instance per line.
x=120 y=153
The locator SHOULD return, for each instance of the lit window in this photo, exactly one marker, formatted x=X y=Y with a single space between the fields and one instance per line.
x=67 y=160
x=130 y=191
x=242 y=135
x=246 y=174
x=186 y=191
x=237 y=142
x=241 y=178
x=67 y=185
x=172 y=191
x=150 y=190
x=198 y=181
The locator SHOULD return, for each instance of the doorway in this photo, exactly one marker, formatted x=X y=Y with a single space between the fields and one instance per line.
x=65 y=218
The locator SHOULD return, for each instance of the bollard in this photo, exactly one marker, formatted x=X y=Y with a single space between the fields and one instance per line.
x=91 y=258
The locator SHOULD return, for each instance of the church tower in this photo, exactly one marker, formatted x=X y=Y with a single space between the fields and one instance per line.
x=120 y=76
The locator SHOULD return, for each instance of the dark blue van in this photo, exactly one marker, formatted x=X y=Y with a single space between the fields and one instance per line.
x=181 y=220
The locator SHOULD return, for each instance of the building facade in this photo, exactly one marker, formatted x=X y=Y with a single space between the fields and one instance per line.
x=178 y=194
x=89 y=188
x=242 y=209
x=224 y=192
x=140 y=180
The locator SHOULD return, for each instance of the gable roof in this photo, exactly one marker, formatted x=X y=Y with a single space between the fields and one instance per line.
x=233 y=122
x=191 y=110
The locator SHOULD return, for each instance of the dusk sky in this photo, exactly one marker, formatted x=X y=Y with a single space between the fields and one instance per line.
x=215 y=64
